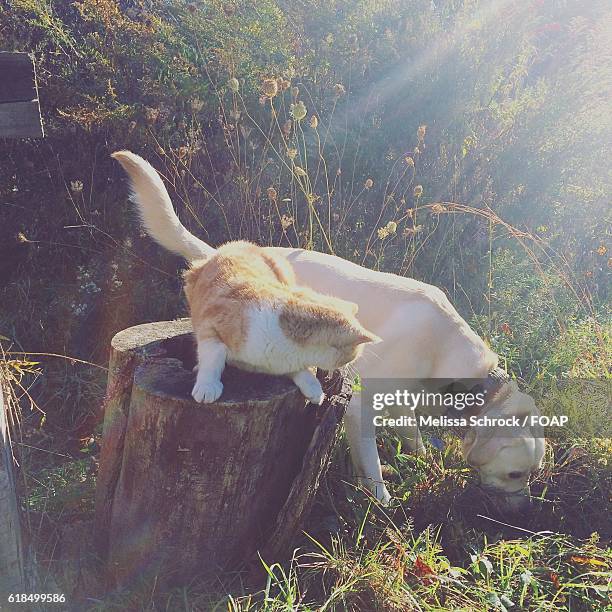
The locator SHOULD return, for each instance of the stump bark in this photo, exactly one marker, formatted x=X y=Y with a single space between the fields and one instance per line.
x=18 y=568
x=12 y=567
x=187 y=489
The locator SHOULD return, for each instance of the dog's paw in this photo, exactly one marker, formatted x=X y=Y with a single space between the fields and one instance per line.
x=376 y=489
x=384 y=497
x=207 y=391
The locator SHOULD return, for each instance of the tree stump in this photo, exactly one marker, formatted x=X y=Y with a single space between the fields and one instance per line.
x=187 y=489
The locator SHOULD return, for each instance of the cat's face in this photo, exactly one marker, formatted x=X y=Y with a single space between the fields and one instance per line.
x=341 y=342
x=326 y=330
x=349 y=345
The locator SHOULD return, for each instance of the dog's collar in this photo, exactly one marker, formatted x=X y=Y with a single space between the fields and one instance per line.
x=494 y=381
x=490 y=387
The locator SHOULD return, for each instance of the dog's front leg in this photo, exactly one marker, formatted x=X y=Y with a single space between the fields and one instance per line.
x=361 y=435
x=410 y=435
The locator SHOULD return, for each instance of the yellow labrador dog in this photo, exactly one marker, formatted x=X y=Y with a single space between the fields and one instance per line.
x=423 y=337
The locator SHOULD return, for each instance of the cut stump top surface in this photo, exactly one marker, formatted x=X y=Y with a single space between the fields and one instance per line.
x=169 y=350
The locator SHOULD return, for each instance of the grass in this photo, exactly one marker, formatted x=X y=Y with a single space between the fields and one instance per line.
x=442 y=544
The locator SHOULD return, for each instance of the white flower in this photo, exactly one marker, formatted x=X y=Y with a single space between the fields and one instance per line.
x=298 y=111
x=76 y=186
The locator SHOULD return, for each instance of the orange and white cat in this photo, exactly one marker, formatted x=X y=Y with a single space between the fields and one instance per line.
x=247 y=310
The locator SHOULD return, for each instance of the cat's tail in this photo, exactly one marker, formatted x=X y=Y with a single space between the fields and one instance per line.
x=156 y=211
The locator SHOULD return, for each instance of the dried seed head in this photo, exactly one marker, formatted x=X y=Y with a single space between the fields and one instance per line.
x=295 y=92
x=269 y=87
x=418 y=191
x=369 y=183
x=339 y=89
x=391 y=227
x=409 y=161
x=234 y=84
x=291 y=153
x=196 y=104
x=151 y=114
x=421 y=132
x=314 y=122
x=412 y=231
x=299 y=171
x=272 y=195
x=286 y=222
x=286 y=129
x=283 y=84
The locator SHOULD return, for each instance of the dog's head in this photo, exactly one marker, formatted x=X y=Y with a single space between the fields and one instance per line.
x=505 y=457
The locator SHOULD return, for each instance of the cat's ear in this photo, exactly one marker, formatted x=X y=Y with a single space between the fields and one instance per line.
x=360 y=335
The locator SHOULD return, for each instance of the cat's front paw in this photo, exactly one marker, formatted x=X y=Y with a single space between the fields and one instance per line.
x=316 y=398
x=207 y=391
x=313 y=391
x=309 y=386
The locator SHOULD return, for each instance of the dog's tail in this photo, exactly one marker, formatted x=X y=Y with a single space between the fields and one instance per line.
x=156 y=211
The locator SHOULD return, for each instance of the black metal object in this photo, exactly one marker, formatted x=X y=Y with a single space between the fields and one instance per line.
x=19 y=106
